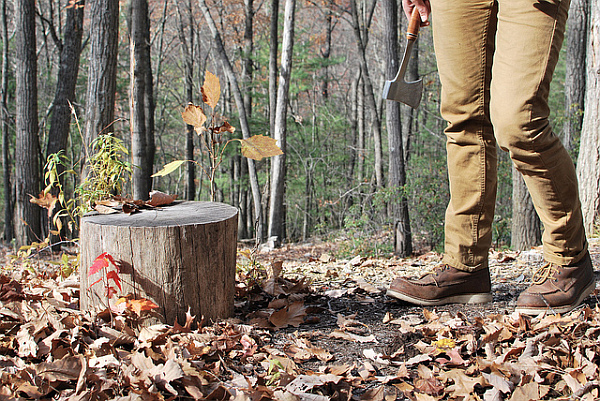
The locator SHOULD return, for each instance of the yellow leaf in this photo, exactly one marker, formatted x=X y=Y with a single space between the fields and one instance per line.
x=194 y=116
x=211 y=90
x=169 y=168
x=260 y=146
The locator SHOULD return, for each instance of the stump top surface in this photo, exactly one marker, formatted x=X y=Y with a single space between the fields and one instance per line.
x=179 y=213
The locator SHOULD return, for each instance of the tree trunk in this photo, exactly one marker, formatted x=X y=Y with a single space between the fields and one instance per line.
x=191 y=265
x=588 y=163
x=27 y=152
x=102 y=74
x=397 y=170
x=278 y=168
x=9 y=231
x=64 y=98
x=575 y=71
x=239 y=101
x=142 y=100
x=526 y=227
x=273 y=70
x=369 y=94
x=187 y=49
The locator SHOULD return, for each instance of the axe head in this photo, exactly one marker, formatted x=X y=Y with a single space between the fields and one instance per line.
x=405 y=92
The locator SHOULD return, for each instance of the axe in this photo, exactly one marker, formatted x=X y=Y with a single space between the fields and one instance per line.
x=398 y=89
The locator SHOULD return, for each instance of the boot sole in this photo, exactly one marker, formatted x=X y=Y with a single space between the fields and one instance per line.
x=477 y=298
x=559 y=309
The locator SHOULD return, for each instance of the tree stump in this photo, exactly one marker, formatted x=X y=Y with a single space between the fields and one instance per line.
x=178 y=256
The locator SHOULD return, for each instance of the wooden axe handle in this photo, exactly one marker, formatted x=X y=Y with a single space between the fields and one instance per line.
x=413 y=25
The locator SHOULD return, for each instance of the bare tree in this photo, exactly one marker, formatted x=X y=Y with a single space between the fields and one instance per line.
x=361 y=39
x=187 y=49
x=102 y=69
x=64 y=97
x=397 y=170
x=588 y=163
x=273 y=68
x=9 y=231
x=27 y=152
x=142 y=100
x=278 y=168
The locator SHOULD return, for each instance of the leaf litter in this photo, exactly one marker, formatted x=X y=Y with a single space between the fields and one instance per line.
x=309 y=327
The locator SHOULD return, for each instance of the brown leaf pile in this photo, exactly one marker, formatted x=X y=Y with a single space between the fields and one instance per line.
x=50 y=350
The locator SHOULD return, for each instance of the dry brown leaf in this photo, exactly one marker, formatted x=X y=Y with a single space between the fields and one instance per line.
x=527 y=392
x=353 y=337
x=158 y=198
x=194 y=115
x=292 y=315
x=258 y=147
x=463 y=385
x=105 y=209
x=63 y=370
x=211 y=90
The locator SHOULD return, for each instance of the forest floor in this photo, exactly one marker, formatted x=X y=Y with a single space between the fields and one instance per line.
x=308 y=326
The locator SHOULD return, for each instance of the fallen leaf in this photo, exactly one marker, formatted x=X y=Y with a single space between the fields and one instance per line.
x=139 y=305
x=353 y=337
x=292 y=315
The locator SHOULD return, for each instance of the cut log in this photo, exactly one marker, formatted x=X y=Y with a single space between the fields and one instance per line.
x=178 y=256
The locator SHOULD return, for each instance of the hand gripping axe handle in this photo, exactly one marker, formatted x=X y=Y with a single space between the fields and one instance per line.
x=399 y=90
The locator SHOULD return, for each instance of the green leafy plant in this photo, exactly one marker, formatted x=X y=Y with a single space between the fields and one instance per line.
x=256 y=147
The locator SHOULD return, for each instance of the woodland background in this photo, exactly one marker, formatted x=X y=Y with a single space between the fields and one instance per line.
x=306 y=72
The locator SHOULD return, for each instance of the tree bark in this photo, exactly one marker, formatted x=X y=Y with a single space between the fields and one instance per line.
x=575 y=71
x=278 y=168
x=27 y=152
x=142 y=100
x=9 y=231
x=526 y=226
x=588 y=163
x=239 y=101
x=102 y=73
x=397 y=169
x=369 y=94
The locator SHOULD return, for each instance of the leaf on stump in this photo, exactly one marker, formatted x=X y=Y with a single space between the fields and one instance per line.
x=211 y=90
x=292 y=315
x=194 y=115
x=258 y=147
x=158 y=198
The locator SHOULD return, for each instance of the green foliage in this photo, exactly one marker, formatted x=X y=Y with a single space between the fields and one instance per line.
x=108 y=171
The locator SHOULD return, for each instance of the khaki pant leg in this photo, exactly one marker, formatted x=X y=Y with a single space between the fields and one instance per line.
x=463 y=32
x=529 y=37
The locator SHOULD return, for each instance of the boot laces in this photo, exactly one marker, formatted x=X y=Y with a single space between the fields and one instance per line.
x=544 y=273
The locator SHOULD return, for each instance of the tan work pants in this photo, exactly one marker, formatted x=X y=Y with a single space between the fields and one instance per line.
x=495 y=61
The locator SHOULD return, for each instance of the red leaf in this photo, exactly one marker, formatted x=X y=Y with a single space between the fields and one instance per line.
x=95 y=282
x=115 y=277
x=100 y=263
x=110 y=259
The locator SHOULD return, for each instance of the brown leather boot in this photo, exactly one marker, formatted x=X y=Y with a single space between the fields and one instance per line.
x=445 y=285
x=558 y=289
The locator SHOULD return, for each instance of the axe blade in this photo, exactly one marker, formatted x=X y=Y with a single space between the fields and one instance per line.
x=409 y=93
